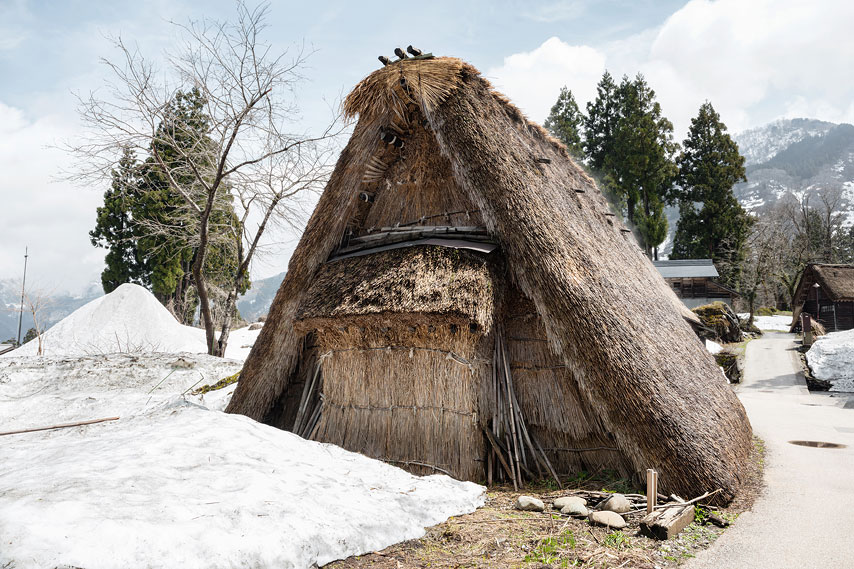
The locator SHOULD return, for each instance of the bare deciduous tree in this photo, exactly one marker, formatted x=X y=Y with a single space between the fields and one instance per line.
x=245 y=153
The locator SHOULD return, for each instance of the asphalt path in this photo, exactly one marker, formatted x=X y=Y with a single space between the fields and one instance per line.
x=804 y=517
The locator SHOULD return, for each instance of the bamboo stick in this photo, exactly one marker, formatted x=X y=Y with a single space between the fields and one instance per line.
x=497 y=447
x=62 y=426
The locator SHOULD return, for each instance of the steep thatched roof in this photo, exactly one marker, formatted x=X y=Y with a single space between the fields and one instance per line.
x=448 y=283
x=836 y=282
x=607 y=312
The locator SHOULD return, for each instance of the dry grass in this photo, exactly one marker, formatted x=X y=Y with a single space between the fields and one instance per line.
x=497 y=535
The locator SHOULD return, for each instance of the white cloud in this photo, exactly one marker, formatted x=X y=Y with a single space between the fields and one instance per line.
x=533 y=79
x=755 y=61
x=51 y=218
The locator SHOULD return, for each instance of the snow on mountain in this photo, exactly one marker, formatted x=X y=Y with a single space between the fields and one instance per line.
x=761 y=144
x=797 y=157
x=56 y=307
x=257 y=300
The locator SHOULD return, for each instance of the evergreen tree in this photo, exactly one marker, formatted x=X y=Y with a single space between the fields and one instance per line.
x=31 y=334
x=145 y=225
x=629 y=144
x=114 y=228
x=642 y=162
x=712 y=224
x=565 y=122
x=601 y=122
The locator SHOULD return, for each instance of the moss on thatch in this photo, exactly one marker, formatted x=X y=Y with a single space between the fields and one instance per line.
x=439 y=281
x=721 y=320
x=632 y=368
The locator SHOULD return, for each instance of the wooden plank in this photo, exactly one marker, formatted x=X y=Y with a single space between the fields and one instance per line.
x=667 y=523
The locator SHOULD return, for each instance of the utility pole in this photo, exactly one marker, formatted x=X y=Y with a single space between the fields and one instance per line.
x=23 y=288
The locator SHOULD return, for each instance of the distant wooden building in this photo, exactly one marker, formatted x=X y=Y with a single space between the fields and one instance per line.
x=693 y=280
x=826 y=292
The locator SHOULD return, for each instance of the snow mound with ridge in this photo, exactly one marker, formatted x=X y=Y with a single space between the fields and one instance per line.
x=129 y=319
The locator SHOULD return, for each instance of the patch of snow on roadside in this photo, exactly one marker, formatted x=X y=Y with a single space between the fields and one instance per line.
x=776 y=323
x=831 y=358
x=175 y=484
x=713 y=347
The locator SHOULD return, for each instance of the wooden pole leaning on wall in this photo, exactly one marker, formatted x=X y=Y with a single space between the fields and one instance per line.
x=651 y=490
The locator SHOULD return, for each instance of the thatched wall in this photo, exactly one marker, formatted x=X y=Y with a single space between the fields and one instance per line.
x=631 y=361
x=408 y=395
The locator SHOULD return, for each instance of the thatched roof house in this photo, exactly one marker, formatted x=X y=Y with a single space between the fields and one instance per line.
x=462 y=300
x=826 y=292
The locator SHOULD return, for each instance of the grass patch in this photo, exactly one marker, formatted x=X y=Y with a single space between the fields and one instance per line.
x=224 y=382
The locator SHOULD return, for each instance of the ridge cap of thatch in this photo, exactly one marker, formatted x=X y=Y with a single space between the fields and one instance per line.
x=429 y=81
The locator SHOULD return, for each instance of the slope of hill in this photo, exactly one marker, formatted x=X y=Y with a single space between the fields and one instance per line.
x=56 y=307
x=796 y=156
x=257 y=300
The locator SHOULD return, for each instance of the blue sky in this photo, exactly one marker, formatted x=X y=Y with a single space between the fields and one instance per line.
x=755 y=60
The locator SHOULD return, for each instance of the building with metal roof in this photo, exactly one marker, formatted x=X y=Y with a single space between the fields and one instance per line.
x=693 y=281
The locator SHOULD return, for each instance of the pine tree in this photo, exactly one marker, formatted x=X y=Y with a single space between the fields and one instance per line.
x=642 y=161
x=602 y=116
x=709 y=166
x=114 y=229
x=143 y=222
x=565 y=122
x=629 y=144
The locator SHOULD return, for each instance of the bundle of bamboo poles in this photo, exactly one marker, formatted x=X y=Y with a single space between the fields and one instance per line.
x=513 y=452
x=311 y=402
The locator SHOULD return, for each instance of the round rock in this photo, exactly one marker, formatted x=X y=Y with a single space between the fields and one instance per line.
x=529 y=504
x=608 y=519
x=617 y=503
x=561 y=503
x=574 y=509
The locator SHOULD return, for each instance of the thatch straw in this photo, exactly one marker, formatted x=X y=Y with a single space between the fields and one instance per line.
x=405 y=396
x=419 y=281
x=620 y=356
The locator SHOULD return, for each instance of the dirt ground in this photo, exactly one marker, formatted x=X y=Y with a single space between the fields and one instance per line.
x=497 y=535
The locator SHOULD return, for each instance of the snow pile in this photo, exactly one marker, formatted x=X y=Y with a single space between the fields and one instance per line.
x=128 y=320
x=175 y=484
x=831 y=358
x=713 y=347
x=776 y=323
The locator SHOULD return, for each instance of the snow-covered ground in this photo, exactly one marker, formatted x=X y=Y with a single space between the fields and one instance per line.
x=713 y=347
x=776 y=323
x=175 y=482
x=831 y=358
x=128 y=320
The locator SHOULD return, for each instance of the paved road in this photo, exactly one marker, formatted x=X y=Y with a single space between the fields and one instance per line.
x=805 y=515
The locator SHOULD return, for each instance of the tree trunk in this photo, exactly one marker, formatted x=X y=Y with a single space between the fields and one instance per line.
x=199 y=277
x=751 y=300
x=230 y=308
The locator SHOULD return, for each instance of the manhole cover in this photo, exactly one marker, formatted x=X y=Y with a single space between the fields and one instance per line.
x=817 y=444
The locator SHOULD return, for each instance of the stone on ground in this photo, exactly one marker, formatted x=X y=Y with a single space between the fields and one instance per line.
x=529 y=504
x=608 y=519
x=575 y=509
x=617 y=503
x=561 y=503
